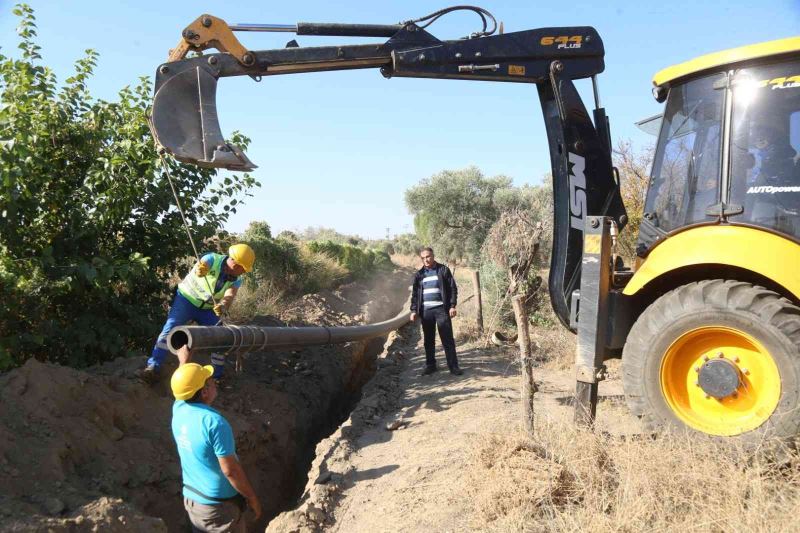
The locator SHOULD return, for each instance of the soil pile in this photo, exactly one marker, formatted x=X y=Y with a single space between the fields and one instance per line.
x=84 y=450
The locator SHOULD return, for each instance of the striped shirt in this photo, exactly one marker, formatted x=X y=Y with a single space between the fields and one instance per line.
x=431 y=292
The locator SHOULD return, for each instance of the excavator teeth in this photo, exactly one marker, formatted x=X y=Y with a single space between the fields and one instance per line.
x=185 y=121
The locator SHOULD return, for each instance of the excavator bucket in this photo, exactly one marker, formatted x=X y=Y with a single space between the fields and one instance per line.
x=185 y=120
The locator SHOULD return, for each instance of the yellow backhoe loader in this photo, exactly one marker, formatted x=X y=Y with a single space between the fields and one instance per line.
x=707 y=320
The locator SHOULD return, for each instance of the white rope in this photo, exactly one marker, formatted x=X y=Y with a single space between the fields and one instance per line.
x=237 y=338
x=263 y=344
x=165 y=167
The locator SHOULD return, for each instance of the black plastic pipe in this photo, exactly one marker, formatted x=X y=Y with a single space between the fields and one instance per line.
x=242 y=339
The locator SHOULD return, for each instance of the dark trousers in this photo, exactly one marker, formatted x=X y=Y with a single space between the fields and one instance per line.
x=431 y=319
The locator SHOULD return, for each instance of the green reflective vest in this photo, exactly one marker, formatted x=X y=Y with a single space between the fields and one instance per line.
x=198 y=290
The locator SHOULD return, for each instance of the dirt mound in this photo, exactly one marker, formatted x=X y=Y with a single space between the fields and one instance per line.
x=104 y=514
x=365 y=301
x=88 y=450
x=68 y=436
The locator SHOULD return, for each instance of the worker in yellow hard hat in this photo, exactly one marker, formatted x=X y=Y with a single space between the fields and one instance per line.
x=204 y=295
x=216 y=490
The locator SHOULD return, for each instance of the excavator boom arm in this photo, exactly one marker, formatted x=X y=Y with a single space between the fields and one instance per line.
x=185 y=123
x=184 y=108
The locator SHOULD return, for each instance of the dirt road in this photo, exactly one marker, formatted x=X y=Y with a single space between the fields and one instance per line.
x=401 y=468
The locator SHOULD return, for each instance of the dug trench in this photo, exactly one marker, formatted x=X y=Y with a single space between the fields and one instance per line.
x=92 y=449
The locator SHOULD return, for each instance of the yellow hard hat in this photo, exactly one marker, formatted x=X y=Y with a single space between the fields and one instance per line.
x=243 y=255
x=189 y=379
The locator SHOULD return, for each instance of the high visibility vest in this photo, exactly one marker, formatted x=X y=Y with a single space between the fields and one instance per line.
x=196 y=289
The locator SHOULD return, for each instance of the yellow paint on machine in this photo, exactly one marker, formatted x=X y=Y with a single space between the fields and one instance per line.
x=726 y=57
x=764 y=253
x=516 y=70
x=592 y=244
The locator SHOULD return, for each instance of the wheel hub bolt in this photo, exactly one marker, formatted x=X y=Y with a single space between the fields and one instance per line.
x=746 y=372
x=720 y=355
x=697 y=369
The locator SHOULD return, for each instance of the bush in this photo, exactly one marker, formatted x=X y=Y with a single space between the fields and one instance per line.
x=358 y=262
x=276 y=259
x=407 y=244
x=385 y=247
x=255 y=300
x=327 y=234
x=89 y=232
x=321 y=271
x=284 y=268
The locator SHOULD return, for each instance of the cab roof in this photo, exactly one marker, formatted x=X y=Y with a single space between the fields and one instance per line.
x=725 y=57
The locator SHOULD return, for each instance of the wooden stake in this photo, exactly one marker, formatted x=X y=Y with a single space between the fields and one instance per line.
x=527 y=385
x=476 y=283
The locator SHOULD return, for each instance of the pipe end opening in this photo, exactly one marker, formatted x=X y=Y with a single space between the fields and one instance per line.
x=178 y=339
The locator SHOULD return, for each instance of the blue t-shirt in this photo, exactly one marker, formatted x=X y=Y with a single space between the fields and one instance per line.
x=208 y=259
x=201 y=435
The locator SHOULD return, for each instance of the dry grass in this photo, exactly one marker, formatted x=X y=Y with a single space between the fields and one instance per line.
x=566 y=479
x=269 y=298
x=555 y=347
x=321 y=270
x=265 y=299
x=465 y=326
x=410 y=261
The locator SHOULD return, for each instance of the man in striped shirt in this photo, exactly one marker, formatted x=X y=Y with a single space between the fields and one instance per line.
x=433 y=298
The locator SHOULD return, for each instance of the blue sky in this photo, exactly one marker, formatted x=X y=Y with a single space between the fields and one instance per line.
x=339 y=149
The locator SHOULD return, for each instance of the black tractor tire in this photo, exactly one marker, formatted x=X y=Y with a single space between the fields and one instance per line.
x=761 y=313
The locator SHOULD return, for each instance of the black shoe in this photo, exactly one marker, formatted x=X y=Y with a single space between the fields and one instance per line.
x=456 y=371
x=429 y=370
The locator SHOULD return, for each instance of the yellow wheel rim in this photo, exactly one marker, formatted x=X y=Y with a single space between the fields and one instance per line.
x=747 y=408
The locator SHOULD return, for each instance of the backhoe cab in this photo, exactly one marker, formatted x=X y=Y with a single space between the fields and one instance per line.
x=707 y=322
x=717 y=345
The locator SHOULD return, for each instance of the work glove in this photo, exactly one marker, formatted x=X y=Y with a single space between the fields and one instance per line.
x=220 y=309
x=201 y=269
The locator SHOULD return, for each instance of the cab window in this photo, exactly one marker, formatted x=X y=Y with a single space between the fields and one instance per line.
x=686 y=168
x=765 y=143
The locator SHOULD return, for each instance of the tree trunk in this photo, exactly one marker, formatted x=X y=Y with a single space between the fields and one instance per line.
x=527 y=385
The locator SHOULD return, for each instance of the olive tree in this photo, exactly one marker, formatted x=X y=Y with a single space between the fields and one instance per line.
x=455 y=209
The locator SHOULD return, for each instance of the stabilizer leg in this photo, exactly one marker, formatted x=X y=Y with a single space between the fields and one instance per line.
x=592 y=316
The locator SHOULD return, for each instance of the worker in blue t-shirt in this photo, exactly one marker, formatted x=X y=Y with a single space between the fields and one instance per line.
x=216 y=490
x=195 y=300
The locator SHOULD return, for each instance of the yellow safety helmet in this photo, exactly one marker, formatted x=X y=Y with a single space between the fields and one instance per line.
x=243 y=255
x=188 y=379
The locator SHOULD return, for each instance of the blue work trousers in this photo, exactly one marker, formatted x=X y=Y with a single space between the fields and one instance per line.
x=181 y=313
